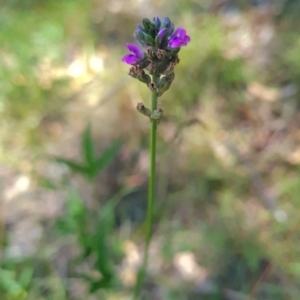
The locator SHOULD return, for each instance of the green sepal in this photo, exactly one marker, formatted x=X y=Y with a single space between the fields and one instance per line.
x=141 y=108
x=165 y=83
x=147 y=24
x=156 y=42
x=157 y=114
x=145 y=78
x=149 y=39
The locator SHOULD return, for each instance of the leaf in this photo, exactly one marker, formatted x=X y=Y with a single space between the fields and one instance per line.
x=106 y=219
x=74 y=166
x=108 y=155
x=26 y=277
x=95 y=285
x=104 y=230
x=74 y=216
x=103 y=283
x=88 y=146
x=103 y=263
x=10 y=285
x=46 y=183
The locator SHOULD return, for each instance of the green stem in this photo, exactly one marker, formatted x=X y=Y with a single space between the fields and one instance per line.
x=151 y=192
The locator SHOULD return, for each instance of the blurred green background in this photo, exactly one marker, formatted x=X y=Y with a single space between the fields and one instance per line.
x=74 y=152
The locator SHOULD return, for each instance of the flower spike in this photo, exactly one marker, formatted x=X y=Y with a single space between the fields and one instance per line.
x=157 y=54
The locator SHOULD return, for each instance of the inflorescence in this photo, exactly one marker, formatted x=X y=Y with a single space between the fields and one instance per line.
x=156 y=54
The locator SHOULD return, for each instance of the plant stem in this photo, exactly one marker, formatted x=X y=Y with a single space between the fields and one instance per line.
x=151 y=192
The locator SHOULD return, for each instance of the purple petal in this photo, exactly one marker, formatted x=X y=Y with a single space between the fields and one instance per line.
x=182 y=33
x=186 y=39
x=161 y=34
x=130 y=59
x=136 y=50
x=179 y=33
x=175 y=43
x=179 y=38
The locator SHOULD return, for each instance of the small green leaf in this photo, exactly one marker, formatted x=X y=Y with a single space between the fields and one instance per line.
x=74 y=217
x=104 y=283
x=106 y=158
x=74 y=166
x=10 y=285
x=26 y=277
x=88 y=146
x=46 y=183
x=96 y=285
x=101 y=242
x=103 y=262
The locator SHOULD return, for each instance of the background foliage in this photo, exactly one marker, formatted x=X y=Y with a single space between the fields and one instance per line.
x=74 y=159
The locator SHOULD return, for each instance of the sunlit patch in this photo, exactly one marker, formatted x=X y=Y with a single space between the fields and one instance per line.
x=20 y=186
x=77 y=68
x=96 y=63
x=280 y=215
x=187 y=266
x=115 y=6
x=131 y=262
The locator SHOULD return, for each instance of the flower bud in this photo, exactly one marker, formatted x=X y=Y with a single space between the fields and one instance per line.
x=150 y=51
x=143 y=109
x=165 y=83
x=141 y=36
x=152 y=67
x=157 y=114
x=139 y=40
x=144 y=63
x=152 y=86
x=145 y=78
x=138 y=73
x=162 y=66
x=162 y=82
x=149 y=39
x=170 y=69
x=156 y=22
x=145 y=38
x=166 y=22
x=160 y=54
x=147 y=24
x=139 y=28
x=160 y=36
x=170 y=29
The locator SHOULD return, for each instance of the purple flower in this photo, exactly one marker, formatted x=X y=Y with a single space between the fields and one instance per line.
x=136 y=55
x=179 y=38
x=161 y=34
